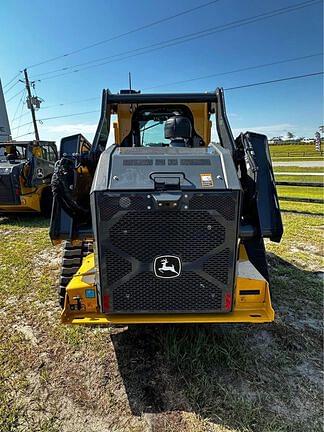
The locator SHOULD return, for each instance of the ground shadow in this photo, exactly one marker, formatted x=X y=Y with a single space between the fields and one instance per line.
x=217 y=372
x=27 y=220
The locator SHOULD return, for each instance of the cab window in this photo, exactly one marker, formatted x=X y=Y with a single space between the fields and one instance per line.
x=48 y=153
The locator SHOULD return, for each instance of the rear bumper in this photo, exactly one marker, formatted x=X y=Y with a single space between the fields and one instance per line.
x=28 y=203
x=256 y=316
x=16 y=209
x=247 y=308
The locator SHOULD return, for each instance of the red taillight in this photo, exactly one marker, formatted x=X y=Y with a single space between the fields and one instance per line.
x=106 y=303
x=228 y=301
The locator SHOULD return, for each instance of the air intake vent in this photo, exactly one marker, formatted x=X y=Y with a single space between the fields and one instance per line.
x=197 y=162
x=223 y=203
x=137 y=162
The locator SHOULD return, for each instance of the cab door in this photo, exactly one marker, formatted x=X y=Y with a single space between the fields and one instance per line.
x=42 y=163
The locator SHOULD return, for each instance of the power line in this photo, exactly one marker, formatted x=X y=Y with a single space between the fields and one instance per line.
x=17 y=109
x=274 y=81
x=191 y=79
x=227 y=89
x=11 y=87
x=12 y=79
x=57 y=117
x=20 y=136
x=69 y=115
x=59 y=105
x=13 y=97
x=70 y=103
x=235 y=71
x=180 y=39
x=22 y=107
x=125 y=34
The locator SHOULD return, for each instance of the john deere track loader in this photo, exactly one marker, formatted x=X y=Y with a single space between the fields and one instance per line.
x=164 y=226
x=26 y=169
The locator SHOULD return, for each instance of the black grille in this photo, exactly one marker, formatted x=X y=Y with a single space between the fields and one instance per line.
x=109 y=206
x=222 y=203
x=146 y=293
x=132 y=232
x=145 y=235
x=117 y=267
x=217 y=266
x=6 y=190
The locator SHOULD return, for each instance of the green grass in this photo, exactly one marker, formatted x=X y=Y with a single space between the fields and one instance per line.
x=300 y=179
x=278 y=169
x=300 y=192
x=297 y=207
x=235 y=378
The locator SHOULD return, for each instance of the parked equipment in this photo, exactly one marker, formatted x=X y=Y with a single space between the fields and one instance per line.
x=26 y=169
x=164 y=226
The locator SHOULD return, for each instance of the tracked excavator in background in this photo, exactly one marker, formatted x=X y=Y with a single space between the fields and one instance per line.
x=164 y=226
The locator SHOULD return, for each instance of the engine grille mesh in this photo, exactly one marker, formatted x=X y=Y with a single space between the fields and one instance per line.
x=6 y=190
x=217 y=266
x=132 y=233
x=145 y=293
x=111 y=205
x=223 y=204
x=117 y=267
x=145 y=235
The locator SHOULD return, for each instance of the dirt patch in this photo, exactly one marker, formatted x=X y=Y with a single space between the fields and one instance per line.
x=27 y=331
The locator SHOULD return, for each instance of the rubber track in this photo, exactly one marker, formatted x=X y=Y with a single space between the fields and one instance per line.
x=71 y=262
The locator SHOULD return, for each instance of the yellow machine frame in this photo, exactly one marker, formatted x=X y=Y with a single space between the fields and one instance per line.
x=29 y=201
x=251 y=303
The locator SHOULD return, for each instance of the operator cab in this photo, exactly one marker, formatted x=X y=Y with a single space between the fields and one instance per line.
x=13 y=153
x=159 y=126
x=179 y=130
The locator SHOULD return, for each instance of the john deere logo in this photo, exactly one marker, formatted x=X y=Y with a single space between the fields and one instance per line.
x=167 y=266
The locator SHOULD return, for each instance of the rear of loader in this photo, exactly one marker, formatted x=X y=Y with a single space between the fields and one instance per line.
x=177 y=224
x=26 y=169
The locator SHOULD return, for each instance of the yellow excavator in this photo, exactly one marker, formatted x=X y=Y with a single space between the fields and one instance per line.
x=26 y=169
x=162 y=225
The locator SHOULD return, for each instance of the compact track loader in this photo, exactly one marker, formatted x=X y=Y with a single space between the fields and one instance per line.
x=164 y=226
x=26 y=169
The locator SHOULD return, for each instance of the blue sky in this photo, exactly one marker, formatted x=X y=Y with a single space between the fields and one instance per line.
x=34 y=31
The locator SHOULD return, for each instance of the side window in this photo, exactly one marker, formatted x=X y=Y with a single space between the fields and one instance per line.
x=48 y=153
x=51 y=154
x=45 y=154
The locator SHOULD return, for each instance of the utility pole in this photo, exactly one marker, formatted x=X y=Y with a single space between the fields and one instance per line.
x=130 y=81
x=31 y=105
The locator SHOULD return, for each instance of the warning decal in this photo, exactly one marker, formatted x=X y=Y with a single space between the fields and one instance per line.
x=206 y=180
